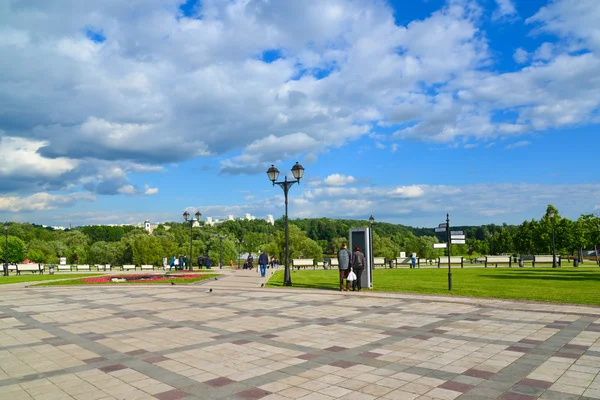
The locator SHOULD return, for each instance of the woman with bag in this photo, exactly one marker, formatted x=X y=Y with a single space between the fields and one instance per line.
x=358 y=266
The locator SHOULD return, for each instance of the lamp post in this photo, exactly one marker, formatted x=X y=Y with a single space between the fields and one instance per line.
x=186 y=215
x=551 y=216
x=239 y=248
x=273 y=174
x=105 y=259
x=371 y=222
x=221 y=237
x=6 y=249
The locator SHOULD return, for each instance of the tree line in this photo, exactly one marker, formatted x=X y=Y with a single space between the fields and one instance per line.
x=309 y=238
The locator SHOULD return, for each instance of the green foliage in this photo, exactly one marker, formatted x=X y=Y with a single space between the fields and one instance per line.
x=16 y=249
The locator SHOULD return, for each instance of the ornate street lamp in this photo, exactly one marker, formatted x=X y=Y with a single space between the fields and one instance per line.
x=186 y=215
x=551 y=216
x=371 y=222
x=273 y=174
x=6 y=249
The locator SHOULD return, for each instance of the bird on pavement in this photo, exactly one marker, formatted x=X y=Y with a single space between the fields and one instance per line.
x=262 y=285
x=210 y=290
x=172 y=283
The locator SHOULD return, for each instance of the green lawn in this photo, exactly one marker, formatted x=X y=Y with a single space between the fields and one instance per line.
x=561 y=285
x=72 y=282
x=29 y=277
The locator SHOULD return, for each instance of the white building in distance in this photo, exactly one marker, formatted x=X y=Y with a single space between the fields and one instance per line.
x=211 y=221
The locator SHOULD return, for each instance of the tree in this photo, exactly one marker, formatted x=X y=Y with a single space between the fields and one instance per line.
x=16 y=250
x=300 y=245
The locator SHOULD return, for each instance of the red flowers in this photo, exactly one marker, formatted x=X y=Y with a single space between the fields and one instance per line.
x=136 y=278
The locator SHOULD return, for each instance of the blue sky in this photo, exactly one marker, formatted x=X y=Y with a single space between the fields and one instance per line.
x=113 y=112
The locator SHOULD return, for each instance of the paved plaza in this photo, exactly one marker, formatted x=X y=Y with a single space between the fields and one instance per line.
x=241 y=341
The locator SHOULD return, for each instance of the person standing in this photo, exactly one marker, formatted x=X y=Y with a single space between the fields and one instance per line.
x=413 y=260
x=207 y=262
x=200 y=262
x=263 y=260
x=358 y=265
x=250 y=261
x=343 y=257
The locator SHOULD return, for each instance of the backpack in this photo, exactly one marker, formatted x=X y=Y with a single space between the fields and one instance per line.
x=358 y=260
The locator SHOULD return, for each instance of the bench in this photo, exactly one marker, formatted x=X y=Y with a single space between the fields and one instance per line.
x=498 y=260
x=63 y=268
x=29 y=267
x=334 y=263
x=128 y=267
x=147 y=267
x=453 y=260
x=378 y=262
x=302 y=262
x=84 y=267
x=545 y=259
x=11 y=267
x=102 y=267
x=406 y=261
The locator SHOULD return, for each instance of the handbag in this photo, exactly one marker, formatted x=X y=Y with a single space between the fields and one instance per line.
x=351 y=276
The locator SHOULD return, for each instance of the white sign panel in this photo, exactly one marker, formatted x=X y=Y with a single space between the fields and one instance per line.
x=402 y=254
x=63 y=261
x=440 y=229
x=458 y=237
x=442 y=225
x=457 y=233
x=440 y=245
x=459 y=242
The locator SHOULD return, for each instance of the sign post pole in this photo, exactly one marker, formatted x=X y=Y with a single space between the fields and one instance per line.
x=449 y=251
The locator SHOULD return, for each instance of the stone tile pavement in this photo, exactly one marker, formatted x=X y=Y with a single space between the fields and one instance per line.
x=244 y=342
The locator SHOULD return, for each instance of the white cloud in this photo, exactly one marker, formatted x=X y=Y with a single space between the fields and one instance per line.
x=42 y=202
x=339 y=180
x=521 y=55
x=380 y=145
x=516 y=145
x=150 y=191
x=394 y=147
x=128 y=190
x=506 y=9
x=407 y=192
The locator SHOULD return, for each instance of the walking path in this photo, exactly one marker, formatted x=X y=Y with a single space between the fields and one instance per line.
x=241 y=341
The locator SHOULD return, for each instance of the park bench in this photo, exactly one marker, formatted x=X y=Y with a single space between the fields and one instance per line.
x=400 y=261
x=11 y=267
x=453 y=260
x=545 y=259
x=302 y=262
x=498 y=260
x=102 y=267
x=64 y=268
x=334 y=263
x=84 y=267
x=29 y=267
x=378 y=262
x=128 y=267
x=147 y=267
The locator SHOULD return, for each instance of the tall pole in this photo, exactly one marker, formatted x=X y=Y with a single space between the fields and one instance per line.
x=105 y=259
x=553 y=246
x=221 y=252
x=191 y=224
x=449 y=251
x=6 y=250
x=287 y=276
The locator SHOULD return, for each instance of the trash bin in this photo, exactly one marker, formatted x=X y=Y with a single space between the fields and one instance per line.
x=576 y=262
x=391 y=263
x=521 y=263
x=51 y=269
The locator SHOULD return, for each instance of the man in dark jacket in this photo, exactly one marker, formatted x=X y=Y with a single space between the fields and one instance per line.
x=200 y=262
x=263 y=260
x=207 y=261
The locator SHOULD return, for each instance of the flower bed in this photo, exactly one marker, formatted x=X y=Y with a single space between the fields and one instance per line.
x=148 y=278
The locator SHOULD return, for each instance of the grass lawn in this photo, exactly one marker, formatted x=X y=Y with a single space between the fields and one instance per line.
x=559 y=285
x=175 y=280
x=29 y=277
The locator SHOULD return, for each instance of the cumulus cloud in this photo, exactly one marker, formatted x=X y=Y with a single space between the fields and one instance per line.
x=338 y=180
x=164 y=87
x=42 y=201
x=150 y=191
x=506 y=9
x=407 y=192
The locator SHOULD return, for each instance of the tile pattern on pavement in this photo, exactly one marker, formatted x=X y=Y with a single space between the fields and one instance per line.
x=241 y=341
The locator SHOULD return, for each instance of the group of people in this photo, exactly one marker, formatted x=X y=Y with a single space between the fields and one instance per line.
x=180 y=263
x=263 y=262
x=350 y=262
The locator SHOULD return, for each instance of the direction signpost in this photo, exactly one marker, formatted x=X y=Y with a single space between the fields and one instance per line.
x=453 y=237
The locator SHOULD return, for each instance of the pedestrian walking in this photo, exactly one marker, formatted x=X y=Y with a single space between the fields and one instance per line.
x=358 y=265
x=263 y=260
x=344 y=257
